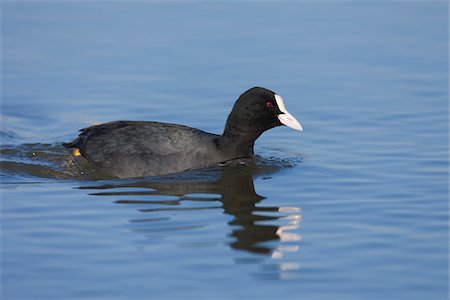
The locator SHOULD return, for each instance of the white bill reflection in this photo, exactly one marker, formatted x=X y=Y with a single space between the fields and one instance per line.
x=286 y=232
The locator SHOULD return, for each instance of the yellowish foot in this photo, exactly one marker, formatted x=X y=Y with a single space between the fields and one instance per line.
x=76 y=152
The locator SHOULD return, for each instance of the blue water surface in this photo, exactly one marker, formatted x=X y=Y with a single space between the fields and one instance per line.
x=354 y=207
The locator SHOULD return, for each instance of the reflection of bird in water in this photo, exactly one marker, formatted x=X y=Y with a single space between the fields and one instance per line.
x=252 y=225
x=239 y=199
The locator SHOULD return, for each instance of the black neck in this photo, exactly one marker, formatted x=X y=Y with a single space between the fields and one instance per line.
x=239 y=138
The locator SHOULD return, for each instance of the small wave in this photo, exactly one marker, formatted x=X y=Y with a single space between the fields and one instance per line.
x=44 y=161
x=8 y=136
x=270 y=160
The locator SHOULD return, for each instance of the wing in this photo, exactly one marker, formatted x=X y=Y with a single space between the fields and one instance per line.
x=143 y=147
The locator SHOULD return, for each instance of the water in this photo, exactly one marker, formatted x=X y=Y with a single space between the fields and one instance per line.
x=355 y=207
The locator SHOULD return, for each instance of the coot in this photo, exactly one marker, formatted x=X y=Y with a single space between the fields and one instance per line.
x=138 y=148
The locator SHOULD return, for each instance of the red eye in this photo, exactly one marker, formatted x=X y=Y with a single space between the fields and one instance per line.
x=269 y=104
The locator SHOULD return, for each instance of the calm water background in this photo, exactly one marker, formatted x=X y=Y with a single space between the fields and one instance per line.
x=354 y=207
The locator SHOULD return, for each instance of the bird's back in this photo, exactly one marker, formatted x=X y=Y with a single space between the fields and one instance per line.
x=137 y=148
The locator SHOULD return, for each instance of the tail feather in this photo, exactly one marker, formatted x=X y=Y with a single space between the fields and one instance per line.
x=72 y=144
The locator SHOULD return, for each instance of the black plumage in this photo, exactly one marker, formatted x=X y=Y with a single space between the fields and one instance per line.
x=140 y=148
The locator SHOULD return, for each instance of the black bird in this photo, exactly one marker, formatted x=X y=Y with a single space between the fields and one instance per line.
x=138 y=148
